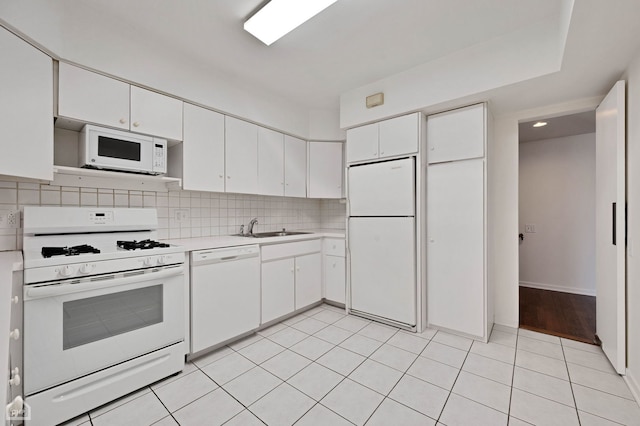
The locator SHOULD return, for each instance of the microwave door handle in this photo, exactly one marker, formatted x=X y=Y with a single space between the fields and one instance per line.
x=62 y=289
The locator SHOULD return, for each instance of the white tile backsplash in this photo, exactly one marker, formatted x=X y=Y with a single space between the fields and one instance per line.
x=209 y=214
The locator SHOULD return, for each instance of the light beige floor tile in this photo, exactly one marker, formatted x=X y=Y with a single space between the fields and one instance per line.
x=434 y=372
x=361 y=345
x=285 y=364
x=272 y=330
x=394 y=357
x=421 y=396
x=352 y=401
x=517 y=422
x=505 y=329
x=82 y=420
x=597 y=361
x=261 y=351
x=408 y=342
x=605 y=405
x=315 y=381
x=376 y=376
x=185 y=390
x=228 y=368
x=320 y=415
x=596 y=379
x=540 y=411
x=312 y=347
x=310 y=325
x=214 y=408
x=244 y=418
x=503 y=338
x=489 y=368
x=540 y=347
x=341 y=360
x=378 y=332
x=542 y=364
x=493 y=350
x=568 y=343
x=294 y=319
x=328 y=316
x=444 y=354
x=144 y=410
x=484 y=391
x=167 y=421
x=587 y=419
x=392 y=413
x=333 y=334
x=288 y=337
x=207 y=359
x=252 y=385
x=351 y=323
x=427 y=333
x=282 y=406
x=452 y=340
x=538 y=336
x=557 y=390
x=461 y=411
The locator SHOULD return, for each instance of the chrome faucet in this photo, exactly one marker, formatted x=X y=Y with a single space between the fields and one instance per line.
x=251 y=225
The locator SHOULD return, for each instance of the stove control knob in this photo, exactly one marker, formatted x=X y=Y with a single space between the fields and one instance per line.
x=148 y=261
x=86 y=268
x=66 y=271
x=162 y=260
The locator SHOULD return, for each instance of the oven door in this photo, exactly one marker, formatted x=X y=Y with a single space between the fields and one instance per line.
x=74 y=328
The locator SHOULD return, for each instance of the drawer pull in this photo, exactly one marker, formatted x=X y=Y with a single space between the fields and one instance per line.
x=15 y=334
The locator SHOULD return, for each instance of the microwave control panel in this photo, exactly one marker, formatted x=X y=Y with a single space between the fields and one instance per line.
x=159 y=158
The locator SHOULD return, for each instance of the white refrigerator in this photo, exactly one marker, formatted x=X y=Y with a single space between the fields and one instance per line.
x=382 y=240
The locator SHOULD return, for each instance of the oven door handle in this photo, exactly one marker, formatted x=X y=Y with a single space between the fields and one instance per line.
x=68 y=288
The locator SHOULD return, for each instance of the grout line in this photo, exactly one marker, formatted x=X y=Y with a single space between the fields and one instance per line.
x=513 y=375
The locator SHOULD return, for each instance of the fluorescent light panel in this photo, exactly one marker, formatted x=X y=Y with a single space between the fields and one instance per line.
x=278 y=17
x=540 y=124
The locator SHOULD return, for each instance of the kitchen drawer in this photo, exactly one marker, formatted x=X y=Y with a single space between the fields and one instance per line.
x=334 y=246
x=278 y=251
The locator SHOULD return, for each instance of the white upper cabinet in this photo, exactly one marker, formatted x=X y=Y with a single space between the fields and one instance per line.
x=241 y=156
x=93 y=98
x=26 y=109
x=155 y=114
x=87 y=96
x=399 y=136
x=389 y=138
x=456 y=135
x=362 y=143
x=270 y=162
x=325 y=170
x=295 y=167
x=202 y=150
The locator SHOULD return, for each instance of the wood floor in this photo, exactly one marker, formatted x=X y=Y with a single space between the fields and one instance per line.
x=567 y=315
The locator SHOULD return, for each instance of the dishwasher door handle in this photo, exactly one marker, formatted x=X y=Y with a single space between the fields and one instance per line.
x=224 y=259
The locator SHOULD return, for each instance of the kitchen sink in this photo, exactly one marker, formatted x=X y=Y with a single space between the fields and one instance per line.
x=272 y=234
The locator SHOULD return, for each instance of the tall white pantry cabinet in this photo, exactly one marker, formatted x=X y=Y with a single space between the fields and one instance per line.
x=457 y=285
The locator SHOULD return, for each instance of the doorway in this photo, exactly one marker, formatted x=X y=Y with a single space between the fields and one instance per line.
x=557 y=226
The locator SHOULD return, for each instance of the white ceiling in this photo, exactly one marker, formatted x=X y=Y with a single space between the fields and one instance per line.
x=349 y=45
x=558 y=127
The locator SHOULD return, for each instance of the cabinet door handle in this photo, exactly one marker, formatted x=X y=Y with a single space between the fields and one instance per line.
x=613 y=223
x=122 y=121
x=15 y=334
x=15 y=300
x=15 y=381
x=136 y=124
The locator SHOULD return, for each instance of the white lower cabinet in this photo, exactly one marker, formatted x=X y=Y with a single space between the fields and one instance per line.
x=278 y=281
x=291 y=277
x=334 y=278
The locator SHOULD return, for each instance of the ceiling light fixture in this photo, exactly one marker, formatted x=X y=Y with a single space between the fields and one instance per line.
x=540 y=124
x=278 y=17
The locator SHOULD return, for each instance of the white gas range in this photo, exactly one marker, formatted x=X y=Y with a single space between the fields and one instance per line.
x=104 y=310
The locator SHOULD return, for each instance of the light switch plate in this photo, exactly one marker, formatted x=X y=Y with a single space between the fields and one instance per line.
x=530 y=229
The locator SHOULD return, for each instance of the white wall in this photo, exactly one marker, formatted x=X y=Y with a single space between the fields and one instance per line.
x=557 y=194
x=633 y=225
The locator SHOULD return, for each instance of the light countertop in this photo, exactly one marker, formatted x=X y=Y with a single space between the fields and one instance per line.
x=205 y=243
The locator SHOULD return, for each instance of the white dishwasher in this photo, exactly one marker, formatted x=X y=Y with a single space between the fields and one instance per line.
x=225 y=294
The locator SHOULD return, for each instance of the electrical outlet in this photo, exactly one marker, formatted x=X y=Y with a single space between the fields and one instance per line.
x=182 y=215
x=9 y=219
x=530 y=229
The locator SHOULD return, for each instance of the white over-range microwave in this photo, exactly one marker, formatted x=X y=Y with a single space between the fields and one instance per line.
x=102 y=148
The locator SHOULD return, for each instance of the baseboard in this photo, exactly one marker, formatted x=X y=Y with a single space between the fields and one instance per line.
x=581 y=291
x=633 y=384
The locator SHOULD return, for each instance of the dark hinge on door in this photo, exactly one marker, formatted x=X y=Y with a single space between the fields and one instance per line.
x=613 y=230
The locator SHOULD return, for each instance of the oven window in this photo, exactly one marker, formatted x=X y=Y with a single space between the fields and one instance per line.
x=116 y=148
x=101 y=317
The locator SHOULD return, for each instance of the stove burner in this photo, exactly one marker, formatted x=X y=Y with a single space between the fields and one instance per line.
x=68 y=251
x=142 y=245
